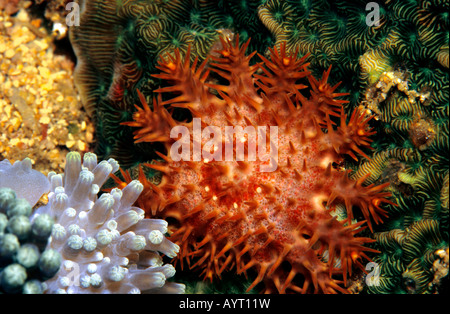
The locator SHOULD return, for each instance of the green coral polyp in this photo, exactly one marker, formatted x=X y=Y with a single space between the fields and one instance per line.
x=25 y=263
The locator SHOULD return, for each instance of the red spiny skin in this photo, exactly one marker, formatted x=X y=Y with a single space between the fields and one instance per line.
x=233 y=216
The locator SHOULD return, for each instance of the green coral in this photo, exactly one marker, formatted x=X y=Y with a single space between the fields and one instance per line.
x=411 y=152
x=407 y=258
x=336 y=33
x=24 y=262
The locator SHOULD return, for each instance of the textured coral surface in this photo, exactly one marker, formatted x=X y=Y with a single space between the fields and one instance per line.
x=234 y=215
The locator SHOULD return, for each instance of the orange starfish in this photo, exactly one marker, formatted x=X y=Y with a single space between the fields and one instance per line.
x=230 y=215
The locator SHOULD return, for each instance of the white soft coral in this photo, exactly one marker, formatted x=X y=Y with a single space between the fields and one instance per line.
x=28 y=184
x=106 y=244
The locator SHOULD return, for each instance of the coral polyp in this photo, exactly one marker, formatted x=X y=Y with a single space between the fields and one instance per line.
x=280 y=223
